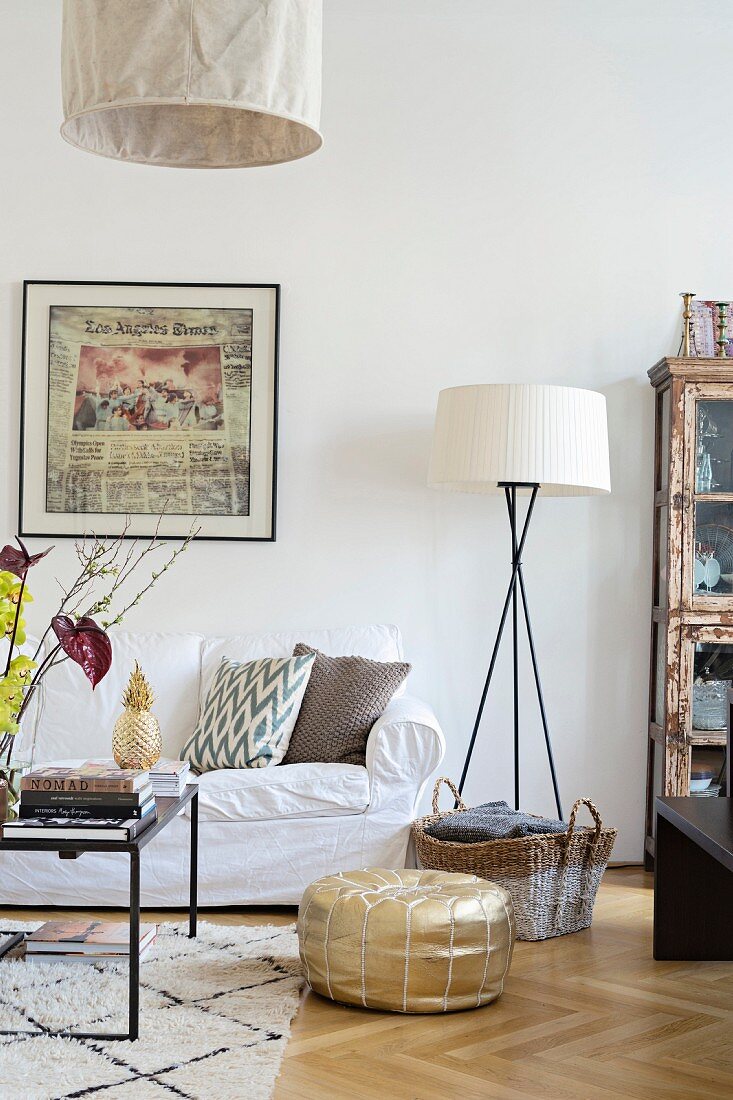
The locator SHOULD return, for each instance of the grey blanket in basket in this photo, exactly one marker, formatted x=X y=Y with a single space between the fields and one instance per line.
x=491 y=821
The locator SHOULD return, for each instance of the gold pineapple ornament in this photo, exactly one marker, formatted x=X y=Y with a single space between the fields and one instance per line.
x=136 y=741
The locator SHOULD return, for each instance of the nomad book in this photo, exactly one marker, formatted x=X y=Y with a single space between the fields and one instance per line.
x=90 y=777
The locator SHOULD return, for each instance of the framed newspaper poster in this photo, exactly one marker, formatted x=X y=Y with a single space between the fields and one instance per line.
x=151 y=405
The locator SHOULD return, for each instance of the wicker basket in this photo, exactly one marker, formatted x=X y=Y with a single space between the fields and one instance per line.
x=553 y=877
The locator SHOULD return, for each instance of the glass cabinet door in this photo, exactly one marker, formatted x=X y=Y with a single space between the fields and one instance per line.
x=714 y=446
x=708 y=565
x=706 y=680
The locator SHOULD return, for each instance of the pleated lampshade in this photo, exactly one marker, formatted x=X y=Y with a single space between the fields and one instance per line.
x=193 y=83
x=554 y=436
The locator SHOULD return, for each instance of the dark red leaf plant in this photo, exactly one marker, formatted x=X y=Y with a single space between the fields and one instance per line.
x=100 y=591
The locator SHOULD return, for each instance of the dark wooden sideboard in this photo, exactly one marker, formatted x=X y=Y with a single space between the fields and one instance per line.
x=693 y=879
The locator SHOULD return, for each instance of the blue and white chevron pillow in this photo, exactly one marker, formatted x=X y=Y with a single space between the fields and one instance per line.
x=249 y=713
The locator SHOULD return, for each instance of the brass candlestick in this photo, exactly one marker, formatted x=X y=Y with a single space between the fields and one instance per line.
x=686 y=296
x=722 y=308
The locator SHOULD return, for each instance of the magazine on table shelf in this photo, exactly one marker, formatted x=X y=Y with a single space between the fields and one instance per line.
x=86 y=941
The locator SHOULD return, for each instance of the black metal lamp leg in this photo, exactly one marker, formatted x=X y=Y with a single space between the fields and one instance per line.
x=511 y=499
x=512 y=596
x=502 y=621
x=193 y=881
x=540 y=696
x=134 y=995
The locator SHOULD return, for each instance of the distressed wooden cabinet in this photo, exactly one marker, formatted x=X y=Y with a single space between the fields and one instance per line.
x=692 y=584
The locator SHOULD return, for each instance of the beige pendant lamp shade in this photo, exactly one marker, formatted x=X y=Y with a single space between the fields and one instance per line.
x=193 y=83
x=553 y=436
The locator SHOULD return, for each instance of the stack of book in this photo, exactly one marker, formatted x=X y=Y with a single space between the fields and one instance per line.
x=169 y=777
x=94 y=801
x=85 y=941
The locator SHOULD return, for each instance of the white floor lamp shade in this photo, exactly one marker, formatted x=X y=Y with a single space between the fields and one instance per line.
x=554 y=436
x=193 y=83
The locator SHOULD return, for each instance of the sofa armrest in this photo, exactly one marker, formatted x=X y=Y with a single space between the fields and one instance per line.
x=404 y=748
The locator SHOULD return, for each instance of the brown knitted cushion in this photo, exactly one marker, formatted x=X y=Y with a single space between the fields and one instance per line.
x=344 y=698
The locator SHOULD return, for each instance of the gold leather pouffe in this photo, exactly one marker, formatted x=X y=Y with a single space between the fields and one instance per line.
x=406 y=941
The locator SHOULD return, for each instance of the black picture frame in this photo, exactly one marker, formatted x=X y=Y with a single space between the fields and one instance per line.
x=167 y=535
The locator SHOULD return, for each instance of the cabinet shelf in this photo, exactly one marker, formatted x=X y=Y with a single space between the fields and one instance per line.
x=708 y=737
x=713 y=498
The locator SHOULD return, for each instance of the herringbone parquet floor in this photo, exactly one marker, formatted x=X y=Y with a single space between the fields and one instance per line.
x=582 y=1017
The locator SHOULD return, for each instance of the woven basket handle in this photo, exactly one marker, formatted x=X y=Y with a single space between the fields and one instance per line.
x=562 y=892
x=595 y=815
x=461 y=805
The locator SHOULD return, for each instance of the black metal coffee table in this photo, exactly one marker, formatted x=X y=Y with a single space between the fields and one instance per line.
x=168 y=809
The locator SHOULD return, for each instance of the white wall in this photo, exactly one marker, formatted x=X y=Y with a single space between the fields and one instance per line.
x=507 y=191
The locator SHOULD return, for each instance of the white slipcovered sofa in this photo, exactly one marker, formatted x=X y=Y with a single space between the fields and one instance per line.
x=264 y=833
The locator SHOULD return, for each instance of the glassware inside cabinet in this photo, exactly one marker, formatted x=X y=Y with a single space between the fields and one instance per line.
x=712 y=676
x=714 y=447
x=707 y=771
x=713 y=561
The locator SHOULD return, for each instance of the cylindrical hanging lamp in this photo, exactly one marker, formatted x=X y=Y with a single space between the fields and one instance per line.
x=193 y=83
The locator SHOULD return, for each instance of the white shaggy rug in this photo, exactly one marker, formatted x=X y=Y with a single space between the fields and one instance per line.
x=215 y=1017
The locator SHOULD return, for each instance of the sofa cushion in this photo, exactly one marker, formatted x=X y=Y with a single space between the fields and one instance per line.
x=378 y=642
x=345 y=696
x=288 y=791
x=249 y=713
x=75 y=719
